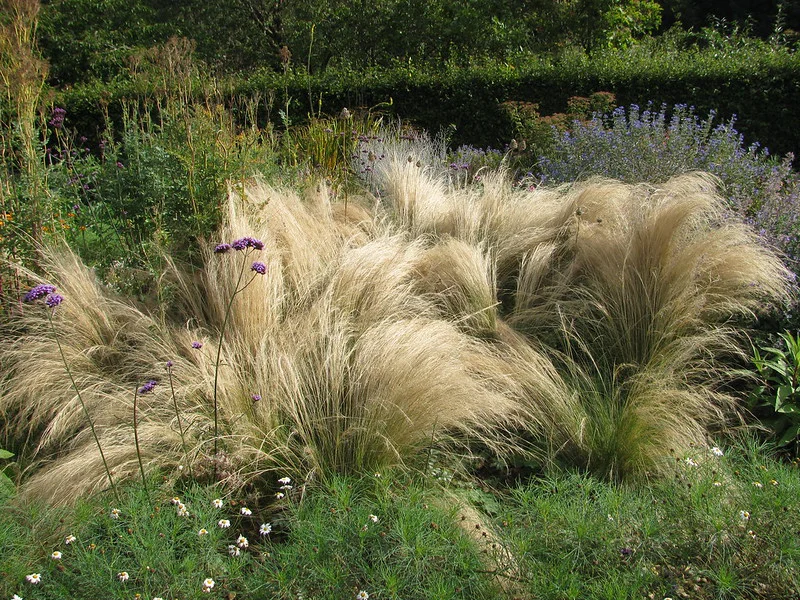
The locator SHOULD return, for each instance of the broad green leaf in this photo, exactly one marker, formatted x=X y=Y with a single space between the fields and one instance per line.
x=5 y=453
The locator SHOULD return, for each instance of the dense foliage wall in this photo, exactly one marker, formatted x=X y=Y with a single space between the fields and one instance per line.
x=760 y=88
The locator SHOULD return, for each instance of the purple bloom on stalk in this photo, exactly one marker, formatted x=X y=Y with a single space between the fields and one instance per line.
x=256 y=397
x=120 y=165
x=57 y=118
x=53 y=300
x=197 y=345
x=39 y=291
x=247 y=242
x=169 y=364
x=259 y=268
x=148 y=387
x=222 y=248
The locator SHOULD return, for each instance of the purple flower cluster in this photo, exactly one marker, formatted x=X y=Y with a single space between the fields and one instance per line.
x=53 y=300
x=222 y=248
x=57 y=118
x=259 y=268
x=148 y=387
x=247 y=242
x=197 y=345
x=39 y=291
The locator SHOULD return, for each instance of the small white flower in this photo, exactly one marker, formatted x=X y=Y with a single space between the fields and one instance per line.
x=224 y=523
x=218 y=503
x=286 y=487
x=717 y=484
x=744 y=515
x=175 y=500
x=279 y=495
x=246 y=511
x=751 y=533
x=69 y=539
x=362 y=595
x=691 y=462
x=157 y=598
x=364 y=528
x=773 y=482
x=265 y=528
x=56 y=555
x=373 y=518
x=716 y=451
x=233 y=550
x=378 y=475
x=33 y=578
x=285 y=480
x=609 y=517
x=758 y=484
x=123 y=576
x=208 y=584
x=16 y=597
x=115 y=513
x=202 y=532
x=242 y=542
x=182 y=510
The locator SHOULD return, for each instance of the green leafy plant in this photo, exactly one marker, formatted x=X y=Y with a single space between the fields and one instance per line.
x=779 y=389
x=6 y=484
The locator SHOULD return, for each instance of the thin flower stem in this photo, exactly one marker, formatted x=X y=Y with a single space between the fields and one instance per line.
x=83 y=404
x=219 y=351
x=136 y=442
x=178 y=416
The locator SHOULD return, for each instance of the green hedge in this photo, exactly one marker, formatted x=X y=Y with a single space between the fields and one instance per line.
x=761 y=87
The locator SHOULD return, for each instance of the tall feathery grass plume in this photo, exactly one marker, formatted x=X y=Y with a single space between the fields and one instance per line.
x=637 y=293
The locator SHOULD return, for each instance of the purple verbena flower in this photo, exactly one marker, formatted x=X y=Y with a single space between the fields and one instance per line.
x=247 y=242
x=53 y=300
x=57 y=118
x=169 y=364
x=39 y=291
x=222 y=248
x=256 y=397
x=259 y=268
x=148 y=387
x=197 y=345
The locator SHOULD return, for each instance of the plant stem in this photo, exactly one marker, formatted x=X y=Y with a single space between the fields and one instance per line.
x=83 y=404
x=178 y=416
x=236 y=290
x=136 y=442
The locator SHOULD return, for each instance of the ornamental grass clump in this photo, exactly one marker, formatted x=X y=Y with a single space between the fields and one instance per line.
x=632 y=291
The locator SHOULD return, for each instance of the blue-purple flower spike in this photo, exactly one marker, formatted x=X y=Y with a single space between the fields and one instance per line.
x=247 y=242
x=148 y=387
x=259 y=268
x=39 y=291
x=222 y=248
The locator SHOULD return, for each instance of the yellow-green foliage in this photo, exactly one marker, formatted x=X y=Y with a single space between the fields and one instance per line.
x=589 y=319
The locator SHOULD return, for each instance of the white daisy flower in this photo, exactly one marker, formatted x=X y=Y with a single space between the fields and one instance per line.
x=246 y=511
x=233 y=550
x=691 y=462
x=265 y=528
x=744 y=515
x=218 y=502
x=362 y=595
x=279 y=495
x=224 y=523
x=115 y=513
x=123 y=576
x=285 y=480
x=33 y=578
x=242 y=542
x=208 y=584
x=373 y=518
x=758 y=484
x=716 y=451
x=69 y=539
x=203 y=531
x=176 y=500
x=56 y=555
